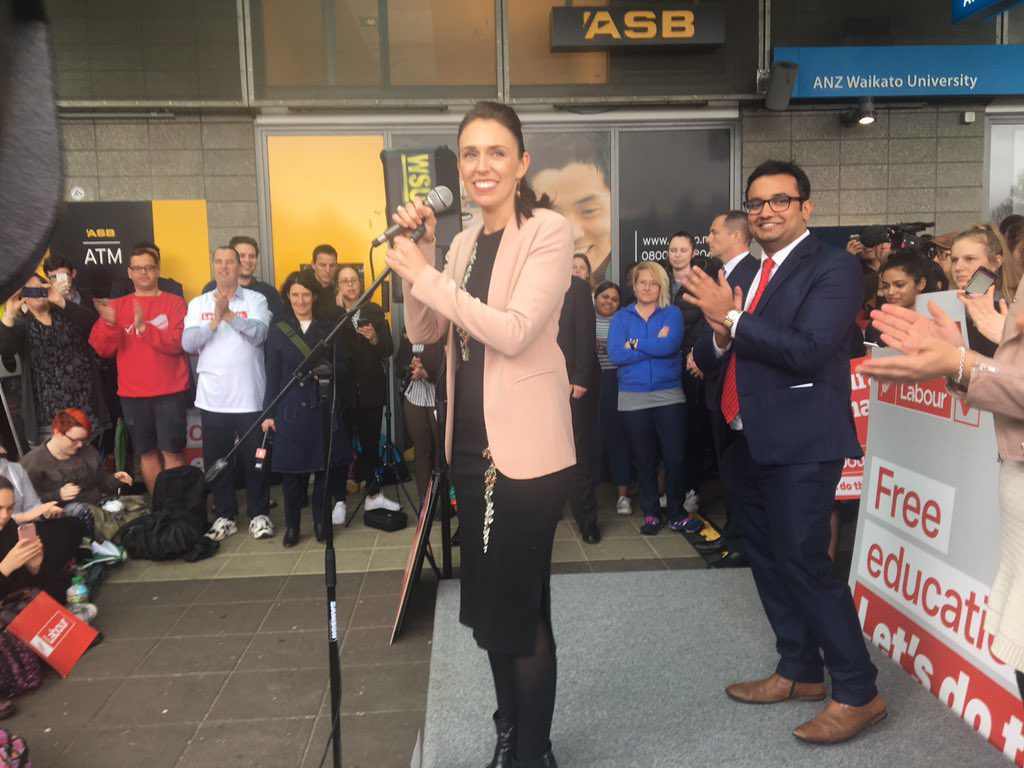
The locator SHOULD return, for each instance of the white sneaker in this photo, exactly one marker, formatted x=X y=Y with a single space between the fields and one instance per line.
x=623 y=507
x=260 y=527
x=222 y=528
x=380 y=501
x=663 y=501
x=339 y=514
x=691 y=503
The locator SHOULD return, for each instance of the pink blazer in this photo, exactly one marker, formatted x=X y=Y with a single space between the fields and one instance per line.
x=999 y=386
x=526 y=387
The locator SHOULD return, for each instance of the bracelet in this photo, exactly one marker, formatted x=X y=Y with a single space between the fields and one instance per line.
x=959 y=383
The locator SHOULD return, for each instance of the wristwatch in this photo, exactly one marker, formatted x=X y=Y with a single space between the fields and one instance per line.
x=633 y=344
x=731 y=317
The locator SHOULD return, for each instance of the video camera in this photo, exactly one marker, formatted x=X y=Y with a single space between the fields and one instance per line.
x=906 y=235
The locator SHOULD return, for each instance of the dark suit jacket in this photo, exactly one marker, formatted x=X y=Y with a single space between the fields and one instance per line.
x=577 y=334
x=792 y=359
x=742 y=275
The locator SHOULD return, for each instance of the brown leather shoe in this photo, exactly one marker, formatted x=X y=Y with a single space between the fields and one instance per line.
x=774 y=689
x=840 y=722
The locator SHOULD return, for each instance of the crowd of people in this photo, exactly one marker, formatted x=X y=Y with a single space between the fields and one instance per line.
x=647 y=384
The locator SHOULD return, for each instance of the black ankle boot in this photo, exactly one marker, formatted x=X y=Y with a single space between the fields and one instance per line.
x=547 y=760
x=506 y=743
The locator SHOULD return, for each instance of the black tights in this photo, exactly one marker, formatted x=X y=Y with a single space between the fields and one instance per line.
x=526 y=692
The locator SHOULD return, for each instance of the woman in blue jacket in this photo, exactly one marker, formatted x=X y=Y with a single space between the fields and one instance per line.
x=297 y=421
x=644 y=341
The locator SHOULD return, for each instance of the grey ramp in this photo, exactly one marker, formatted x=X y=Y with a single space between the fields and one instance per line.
x=643 y=659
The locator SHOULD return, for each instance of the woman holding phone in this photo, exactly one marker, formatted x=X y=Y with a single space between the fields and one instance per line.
x=508 y=429
x=58 y=368
x=363 y=392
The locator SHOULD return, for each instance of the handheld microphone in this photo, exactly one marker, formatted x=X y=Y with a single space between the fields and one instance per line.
x=439 y=200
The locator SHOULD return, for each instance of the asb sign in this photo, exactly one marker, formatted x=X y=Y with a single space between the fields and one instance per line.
x=906 y=70
x=582 y=29
x=979 y=9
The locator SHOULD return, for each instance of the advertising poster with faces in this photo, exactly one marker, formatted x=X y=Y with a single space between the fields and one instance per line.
x=670 y=181
x=574 y=170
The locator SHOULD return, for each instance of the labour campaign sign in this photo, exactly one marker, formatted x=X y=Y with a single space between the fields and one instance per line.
x=924 y=557
x=852 y=479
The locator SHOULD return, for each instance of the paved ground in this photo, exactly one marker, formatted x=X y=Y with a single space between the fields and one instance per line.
x=224 y=662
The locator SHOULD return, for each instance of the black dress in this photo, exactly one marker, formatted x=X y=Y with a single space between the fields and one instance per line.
x=506 y=589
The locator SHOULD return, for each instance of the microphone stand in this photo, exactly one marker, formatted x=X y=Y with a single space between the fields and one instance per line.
x=314 y=364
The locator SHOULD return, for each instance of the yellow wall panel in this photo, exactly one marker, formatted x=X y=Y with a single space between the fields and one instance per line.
x=325 y=189
x=179 y=228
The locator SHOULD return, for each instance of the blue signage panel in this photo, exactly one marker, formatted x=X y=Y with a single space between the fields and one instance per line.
x=906 y=70
x=979 y=9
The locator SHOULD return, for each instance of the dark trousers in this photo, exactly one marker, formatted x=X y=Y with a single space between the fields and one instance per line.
x=611 y=434
x=365 y=422
x=294 y=486
x=422 y=428
x=583 y=491
x=658 y=433
x=785 y=518
x=219 y=433
x=697 y=429
x=722 y=436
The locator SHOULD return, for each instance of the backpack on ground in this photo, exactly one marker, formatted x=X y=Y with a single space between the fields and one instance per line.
x=13 y=751
x=176 y=526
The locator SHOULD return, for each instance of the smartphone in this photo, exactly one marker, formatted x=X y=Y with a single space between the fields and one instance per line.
x=34 y=292
x=980 y=281
x=27 y=532
x=363 y=322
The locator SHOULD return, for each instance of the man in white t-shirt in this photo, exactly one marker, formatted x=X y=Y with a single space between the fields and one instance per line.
x=227 y=327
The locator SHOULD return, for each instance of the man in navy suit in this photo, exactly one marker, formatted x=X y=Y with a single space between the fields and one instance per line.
x=785 y=394
x=729 y=242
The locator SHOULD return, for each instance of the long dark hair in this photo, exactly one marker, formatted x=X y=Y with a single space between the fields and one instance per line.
x=526 y=197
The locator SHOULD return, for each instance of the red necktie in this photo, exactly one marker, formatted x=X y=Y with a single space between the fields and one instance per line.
x=730 y=397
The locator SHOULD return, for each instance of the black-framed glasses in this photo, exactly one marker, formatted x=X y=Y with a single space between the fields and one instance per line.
x=779 y=203
x=147 y=268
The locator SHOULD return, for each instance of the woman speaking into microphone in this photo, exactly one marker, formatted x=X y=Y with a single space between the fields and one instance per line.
x=508 y=431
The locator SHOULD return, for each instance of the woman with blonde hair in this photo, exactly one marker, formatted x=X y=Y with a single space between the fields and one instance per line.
x=644 y=341
x=983 y=246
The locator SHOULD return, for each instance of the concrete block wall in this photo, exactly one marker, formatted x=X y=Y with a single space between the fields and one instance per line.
x=194 y=157
x=911 y=165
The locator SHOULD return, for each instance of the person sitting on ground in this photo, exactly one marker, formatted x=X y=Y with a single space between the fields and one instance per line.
x=28 y=563
x=58 y=368
x=67 y=469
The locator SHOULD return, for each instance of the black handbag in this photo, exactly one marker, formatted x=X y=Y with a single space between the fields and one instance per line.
x=385 y=519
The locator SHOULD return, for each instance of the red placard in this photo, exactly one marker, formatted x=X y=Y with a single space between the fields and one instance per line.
x=852 y=481
x=56 y=635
